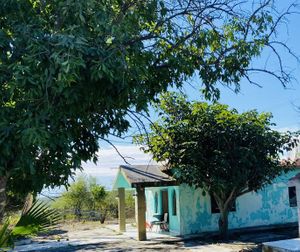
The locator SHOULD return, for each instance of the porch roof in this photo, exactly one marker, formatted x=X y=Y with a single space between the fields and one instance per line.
x=142 y=176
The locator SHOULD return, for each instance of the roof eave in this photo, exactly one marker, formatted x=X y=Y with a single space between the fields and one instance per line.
x=154 y=183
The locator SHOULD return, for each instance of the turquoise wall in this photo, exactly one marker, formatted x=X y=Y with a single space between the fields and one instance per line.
x=150 y=208
x=268 y=206
x=120 y=181
x=174 y=220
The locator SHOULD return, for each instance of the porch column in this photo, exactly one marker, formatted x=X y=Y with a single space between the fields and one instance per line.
x=121 y=209
x=140 y=213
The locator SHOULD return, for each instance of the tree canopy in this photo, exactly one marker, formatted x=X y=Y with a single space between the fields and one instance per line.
x=84 y=193
x=74 y=72
x=213 y=147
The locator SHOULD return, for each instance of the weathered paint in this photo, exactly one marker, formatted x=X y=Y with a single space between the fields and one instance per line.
x=121 y=181
x=265 y=207
x=296 y=182
x=150 y=206
x=268 y=206
x=174 y=220
x=151 y=215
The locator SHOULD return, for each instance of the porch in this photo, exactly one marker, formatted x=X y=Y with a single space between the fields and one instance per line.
x=135 y=179
x=131 y=232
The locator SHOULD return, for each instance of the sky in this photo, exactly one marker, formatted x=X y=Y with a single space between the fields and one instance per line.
x=271 y=97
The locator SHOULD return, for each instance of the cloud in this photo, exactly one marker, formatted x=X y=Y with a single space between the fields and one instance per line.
x=290 y=128
x=105 y=170
x=109 y=160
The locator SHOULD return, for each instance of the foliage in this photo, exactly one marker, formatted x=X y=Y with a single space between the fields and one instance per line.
x=6 y=240
x=109 y=206
x=39 y=217
x=215 y=148
x=129 y=200
x=77 y=197
x=73 y=72
x=14 y=201
x=84 y=194
x=98 y=195
x=129 y=205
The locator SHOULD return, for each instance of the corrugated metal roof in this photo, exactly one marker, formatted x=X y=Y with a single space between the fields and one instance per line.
x=147 y=175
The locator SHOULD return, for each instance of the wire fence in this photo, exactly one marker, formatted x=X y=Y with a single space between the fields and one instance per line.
x=92 y=215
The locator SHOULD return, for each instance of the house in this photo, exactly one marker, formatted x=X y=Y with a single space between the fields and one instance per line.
x=290 y=244
x=191 y=211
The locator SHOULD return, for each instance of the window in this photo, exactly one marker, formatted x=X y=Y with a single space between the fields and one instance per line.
x=215 y=208
x=174 y=203
x=292 y=196
x=155 y=202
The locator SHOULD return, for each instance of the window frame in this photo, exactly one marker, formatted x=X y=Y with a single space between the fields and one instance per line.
x=292 y=196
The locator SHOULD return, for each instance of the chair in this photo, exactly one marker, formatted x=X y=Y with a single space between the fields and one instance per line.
x=163 y=225
x=148 y=226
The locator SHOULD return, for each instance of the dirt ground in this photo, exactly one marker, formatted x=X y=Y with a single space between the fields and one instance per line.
x=92 y=236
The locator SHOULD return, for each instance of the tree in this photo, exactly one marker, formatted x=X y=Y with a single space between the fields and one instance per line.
x=76 y=198
x=86 y=194
x=109 y=206
x=74 y=72
x=213 y=147
x=83 y=193
x=98 y=196
x=100 y=200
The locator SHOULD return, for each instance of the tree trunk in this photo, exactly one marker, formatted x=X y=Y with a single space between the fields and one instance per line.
x=3 y=181
x=223 y=224
x=224 y=202
x=28 y=203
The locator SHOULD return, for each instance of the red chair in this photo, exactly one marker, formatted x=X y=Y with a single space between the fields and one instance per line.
x=148 y=226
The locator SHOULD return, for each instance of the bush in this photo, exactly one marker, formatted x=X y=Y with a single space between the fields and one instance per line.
x=85 y=198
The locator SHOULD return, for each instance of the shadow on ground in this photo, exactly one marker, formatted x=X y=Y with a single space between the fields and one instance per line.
x=105 y=238
x=240 y=242
x=246 y=241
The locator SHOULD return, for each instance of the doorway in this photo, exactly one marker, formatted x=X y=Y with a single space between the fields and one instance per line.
x=165 y=201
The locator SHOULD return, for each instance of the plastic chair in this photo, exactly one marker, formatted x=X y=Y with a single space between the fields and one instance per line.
x=163 y=225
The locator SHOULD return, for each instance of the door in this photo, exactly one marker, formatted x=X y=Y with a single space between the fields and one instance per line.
x=165 y=201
